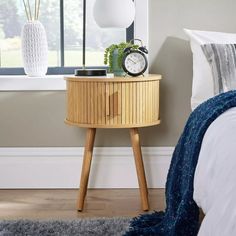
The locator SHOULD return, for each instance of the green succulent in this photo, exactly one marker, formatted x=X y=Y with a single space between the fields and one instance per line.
x=108 y=55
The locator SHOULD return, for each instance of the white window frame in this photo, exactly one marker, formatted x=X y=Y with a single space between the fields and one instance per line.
x=57 y=82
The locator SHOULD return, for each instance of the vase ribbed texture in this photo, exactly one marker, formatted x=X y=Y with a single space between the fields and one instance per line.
x=34 y=49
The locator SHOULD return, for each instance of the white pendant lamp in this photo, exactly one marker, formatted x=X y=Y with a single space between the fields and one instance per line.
x=114 y=13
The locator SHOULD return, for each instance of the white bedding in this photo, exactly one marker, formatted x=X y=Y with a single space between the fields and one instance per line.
x=215 y=177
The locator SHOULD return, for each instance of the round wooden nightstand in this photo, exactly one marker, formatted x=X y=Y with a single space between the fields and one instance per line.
x=120 y=102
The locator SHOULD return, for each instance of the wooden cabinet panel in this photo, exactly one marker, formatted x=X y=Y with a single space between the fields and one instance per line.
x=113 y=103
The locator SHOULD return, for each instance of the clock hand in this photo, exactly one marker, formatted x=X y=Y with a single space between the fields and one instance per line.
x=140 y=60
x=132 y=61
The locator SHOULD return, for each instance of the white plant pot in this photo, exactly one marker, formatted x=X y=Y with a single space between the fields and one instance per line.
x=34 y=49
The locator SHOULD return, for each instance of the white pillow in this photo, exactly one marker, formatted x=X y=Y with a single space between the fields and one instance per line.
x=203 y=86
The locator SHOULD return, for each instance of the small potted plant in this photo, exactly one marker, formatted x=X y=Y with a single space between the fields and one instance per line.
x=113 y=57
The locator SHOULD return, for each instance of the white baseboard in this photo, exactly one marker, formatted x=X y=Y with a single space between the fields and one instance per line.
x=112 y=167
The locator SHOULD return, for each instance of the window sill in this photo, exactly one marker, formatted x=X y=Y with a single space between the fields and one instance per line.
x=24 y=83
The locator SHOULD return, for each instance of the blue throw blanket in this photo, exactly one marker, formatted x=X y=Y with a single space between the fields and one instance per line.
x=181 y=215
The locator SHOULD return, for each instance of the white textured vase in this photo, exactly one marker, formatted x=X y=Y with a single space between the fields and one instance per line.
x=34 y=49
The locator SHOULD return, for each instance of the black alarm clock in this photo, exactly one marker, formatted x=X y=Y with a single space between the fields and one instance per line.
x=135 y=61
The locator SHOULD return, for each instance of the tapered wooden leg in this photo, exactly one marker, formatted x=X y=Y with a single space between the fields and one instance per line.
x=135 y=140
x=88 y=153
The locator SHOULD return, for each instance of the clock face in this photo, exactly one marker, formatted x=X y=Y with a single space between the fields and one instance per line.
x=135 y=63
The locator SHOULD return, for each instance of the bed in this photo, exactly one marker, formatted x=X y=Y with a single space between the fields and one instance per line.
x=215 y=175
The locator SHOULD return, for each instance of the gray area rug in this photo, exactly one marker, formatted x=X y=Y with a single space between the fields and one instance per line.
x=85 y=227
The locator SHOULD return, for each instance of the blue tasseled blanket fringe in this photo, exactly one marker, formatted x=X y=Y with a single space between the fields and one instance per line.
x=181 y=215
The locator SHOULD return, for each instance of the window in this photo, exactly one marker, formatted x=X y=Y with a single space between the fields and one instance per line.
x=63 y=23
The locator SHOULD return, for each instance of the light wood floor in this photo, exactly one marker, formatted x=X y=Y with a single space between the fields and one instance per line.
x=60 y=204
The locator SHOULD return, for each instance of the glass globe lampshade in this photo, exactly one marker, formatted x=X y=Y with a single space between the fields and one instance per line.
x=114 y=13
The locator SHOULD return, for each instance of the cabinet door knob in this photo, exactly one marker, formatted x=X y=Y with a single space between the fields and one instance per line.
x=107 y=100
x=117 y=103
